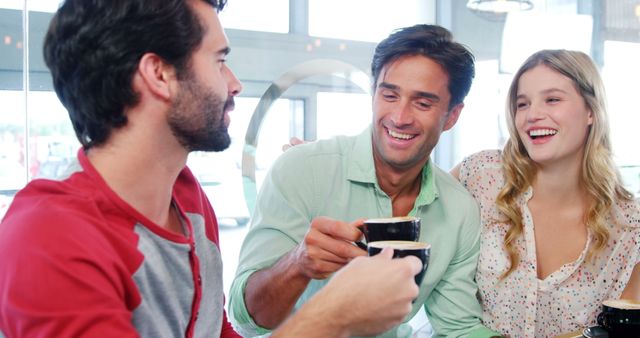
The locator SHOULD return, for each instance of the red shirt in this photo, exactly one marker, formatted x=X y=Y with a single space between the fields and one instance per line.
x=78 y=261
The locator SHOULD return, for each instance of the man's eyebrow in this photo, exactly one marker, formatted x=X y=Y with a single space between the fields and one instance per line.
x=431 y=96
x=224 y=51
x=389 y=86
x=421 y=94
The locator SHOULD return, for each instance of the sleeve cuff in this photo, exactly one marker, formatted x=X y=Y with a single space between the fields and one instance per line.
x=238 y=313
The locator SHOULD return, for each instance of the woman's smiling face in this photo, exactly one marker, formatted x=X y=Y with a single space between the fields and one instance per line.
x=551 y=118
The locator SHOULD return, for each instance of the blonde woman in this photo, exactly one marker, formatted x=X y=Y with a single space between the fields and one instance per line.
x=560 y=232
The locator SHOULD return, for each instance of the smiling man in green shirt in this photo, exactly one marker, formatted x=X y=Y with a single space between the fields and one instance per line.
x=315 y=196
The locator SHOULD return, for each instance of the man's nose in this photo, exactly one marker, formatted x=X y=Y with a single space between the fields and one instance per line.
x=402 y=114
x=234 y=85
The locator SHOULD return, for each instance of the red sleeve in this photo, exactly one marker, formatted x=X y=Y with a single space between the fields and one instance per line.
x=58 y=277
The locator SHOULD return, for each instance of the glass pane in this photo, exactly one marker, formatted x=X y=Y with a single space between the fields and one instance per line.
x=482 y=124
x=13 y=173
x=342 y=113
x=220 y=173
x=52 y=141
x=13 y=158
x=566 y=31
x=283 y=121
x=11 y=49
x=621 y=66
x=363 y=20
x=49 y=6
x=256 y=15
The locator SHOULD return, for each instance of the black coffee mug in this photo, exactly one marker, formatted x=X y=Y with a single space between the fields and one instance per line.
x=620 y=318
x=405 y=228
x=403 y=249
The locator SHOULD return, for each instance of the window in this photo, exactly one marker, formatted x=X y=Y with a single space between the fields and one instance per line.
x=36 y=137
x=48 y=6
x=342 y=114
x=221 y=173
x=256 y=15
x=482 y=123
x=363 y=20
x=620 y=67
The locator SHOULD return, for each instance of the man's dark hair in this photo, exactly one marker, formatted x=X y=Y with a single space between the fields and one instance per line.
x=435 y=43
x=93 y=48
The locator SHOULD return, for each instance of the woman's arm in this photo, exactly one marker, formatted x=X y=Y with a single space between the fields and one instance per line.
x=455 y=172
x=632 y=290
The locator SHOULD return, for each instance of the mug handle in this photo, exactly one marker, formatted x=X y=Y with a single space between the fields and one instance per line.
x=361 y=245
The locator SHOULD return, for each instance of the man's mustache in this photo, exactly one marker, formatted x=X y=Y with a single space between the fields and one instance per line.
x=229 y=105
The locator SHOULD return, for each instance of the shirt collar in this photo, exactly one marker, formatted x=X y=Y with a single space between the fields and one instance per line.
x=360 y=168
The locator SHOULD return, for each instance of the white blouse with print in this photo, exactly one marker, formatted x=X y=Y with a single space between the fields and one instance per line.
x=567 y=300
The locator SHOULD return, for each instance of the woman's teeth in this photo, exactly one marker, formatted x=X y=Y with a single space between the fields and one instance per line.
x=542 y=132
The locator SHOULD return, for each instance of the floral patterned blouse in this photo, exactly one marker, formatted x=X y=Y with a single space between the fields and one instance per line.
x=567 y=300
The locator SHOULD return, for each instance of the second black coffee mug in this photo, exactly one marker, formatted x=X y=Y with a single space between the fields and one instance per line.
x=404 y=249
x=620 y=318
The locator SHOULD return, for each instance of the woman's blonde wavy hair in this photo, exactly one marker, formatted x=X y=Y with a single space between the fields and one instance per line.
x=599 y=174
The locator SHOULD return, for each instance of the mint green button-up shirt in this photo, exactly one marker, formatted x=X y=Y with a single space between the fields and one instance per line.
x=336 y=178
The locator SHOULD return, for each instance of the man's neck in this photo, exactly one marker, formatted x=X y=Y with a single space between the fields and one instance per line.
x=402 y=186
x=140 y=172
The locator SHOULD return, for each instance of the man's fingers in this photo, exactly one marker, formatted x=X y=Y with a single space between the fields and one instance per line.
x=319 y=253
x=294 y=141
x=415 y=263
x=386 y=254
x=336 y=229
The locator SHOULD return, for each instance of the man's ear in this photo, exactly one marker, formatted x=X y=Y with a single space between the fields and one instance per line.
x=452 y=116
x=156 y=75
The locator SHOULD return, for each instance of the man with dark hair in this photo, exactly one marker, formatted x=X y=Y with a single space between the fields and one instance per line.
x=303 y=226
x=127 y=244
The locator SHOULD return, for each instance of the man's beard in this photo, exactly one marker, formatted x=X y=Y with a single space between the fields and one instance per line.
x=196 y=117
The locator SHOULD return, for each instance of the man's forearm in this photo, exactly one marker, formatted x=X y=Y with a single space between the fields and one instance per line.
x=314 y=319
x=271 y=294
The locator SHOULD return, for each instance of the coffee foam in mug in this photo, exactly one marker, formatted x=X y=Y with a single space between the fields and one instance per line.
x=391 y=219
x=399 y=245
x=625 y=304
